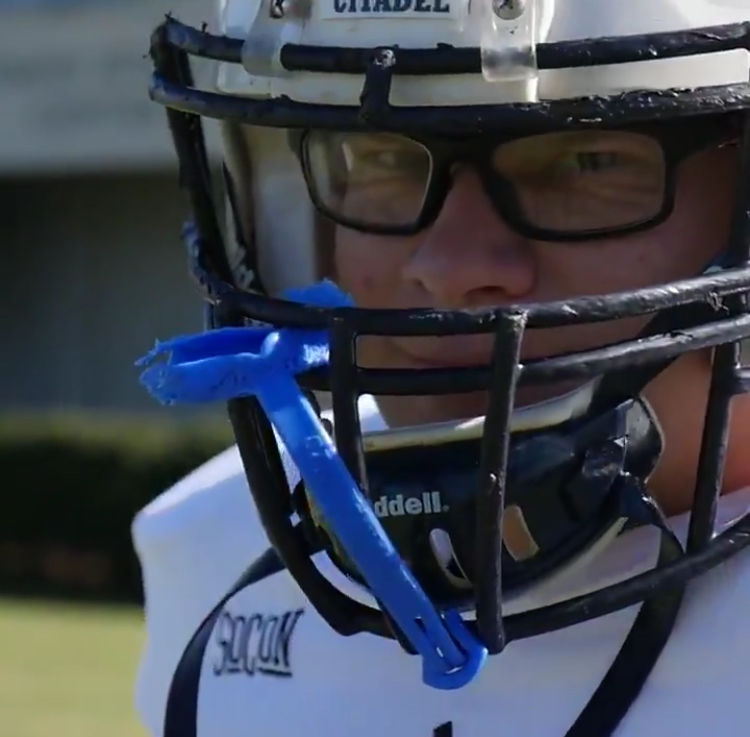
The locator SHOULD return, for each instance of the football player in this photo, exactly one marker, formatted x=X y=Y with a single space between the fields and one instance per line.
x=506 y=243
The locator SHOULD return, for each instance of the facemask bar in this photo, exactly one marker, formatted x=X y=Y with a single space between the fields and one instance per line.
x=256 y=439
x=378 y=66
x=506 y=360
x=726 y=378
x=559 y=615
x=195 y=175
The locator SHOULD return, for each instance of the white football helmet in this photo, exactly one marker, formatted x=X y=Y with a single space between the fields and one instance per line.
x=417 y=515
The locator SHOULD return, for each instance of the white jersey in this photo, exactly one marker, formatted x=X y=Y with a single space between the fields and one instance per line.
x=274 y=668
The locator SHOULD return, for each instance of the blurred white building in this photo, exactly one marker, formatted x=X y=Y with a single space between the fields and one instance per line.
x=91 y=268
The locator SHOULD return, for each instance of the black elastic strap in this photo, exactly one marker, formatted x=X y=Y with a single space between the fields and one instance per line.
x=599 y=718
x=181 y=716
x=637 y=656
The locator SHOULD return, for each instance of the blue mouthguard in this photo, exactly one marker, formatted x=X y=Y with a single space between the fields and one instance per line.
x=227 y=363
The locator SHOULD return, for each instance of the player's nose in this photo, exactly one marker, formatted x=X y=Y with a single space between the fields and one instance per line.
x=469 y=257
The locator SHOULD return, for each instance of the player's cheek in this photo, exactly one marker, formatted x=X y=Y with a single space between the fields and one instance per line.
x=367 y=268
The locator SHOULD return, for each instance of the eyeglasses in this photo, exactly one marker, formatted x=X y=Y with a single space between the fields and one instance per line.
x=563 y=186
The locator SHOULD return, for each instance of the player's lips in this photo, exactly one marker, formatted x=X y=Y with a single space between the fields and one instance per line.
x=444 y=362
x=458 y=357
x=466 y=355
x=441 y=353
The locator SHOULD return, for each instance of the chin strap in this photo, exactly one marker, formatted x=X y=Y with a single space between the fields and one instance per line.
x=181 y=715
x=643 y=645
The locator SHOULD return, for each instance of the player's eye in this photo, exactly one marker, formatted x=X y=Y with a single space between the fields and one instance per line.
x=593 y=161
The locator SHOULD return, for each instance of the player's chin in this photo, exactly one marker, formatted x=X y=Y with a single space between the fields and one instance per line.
x=381 y=352
x=530 y=395
x=420 y=410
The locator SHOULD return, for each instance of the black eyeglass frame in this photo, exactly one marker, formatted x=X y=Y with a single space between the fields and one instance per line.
x=676 y=139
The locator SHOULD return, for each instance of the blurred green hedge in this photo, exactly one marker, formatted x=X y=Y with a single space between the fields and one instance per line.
x=71 y=485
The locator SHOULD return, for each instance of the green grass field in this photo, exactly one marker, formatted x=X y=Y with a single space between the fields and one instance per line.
x=68 y=670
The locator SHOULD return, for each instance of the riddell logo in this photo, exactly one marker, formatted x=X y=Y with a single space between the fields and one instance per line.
x=402 y=506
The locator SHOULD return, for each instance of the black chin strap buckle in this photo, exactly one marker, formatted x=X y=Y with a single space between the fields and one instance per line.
x=640 y=509
x=651 y=628
x=601 y=467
